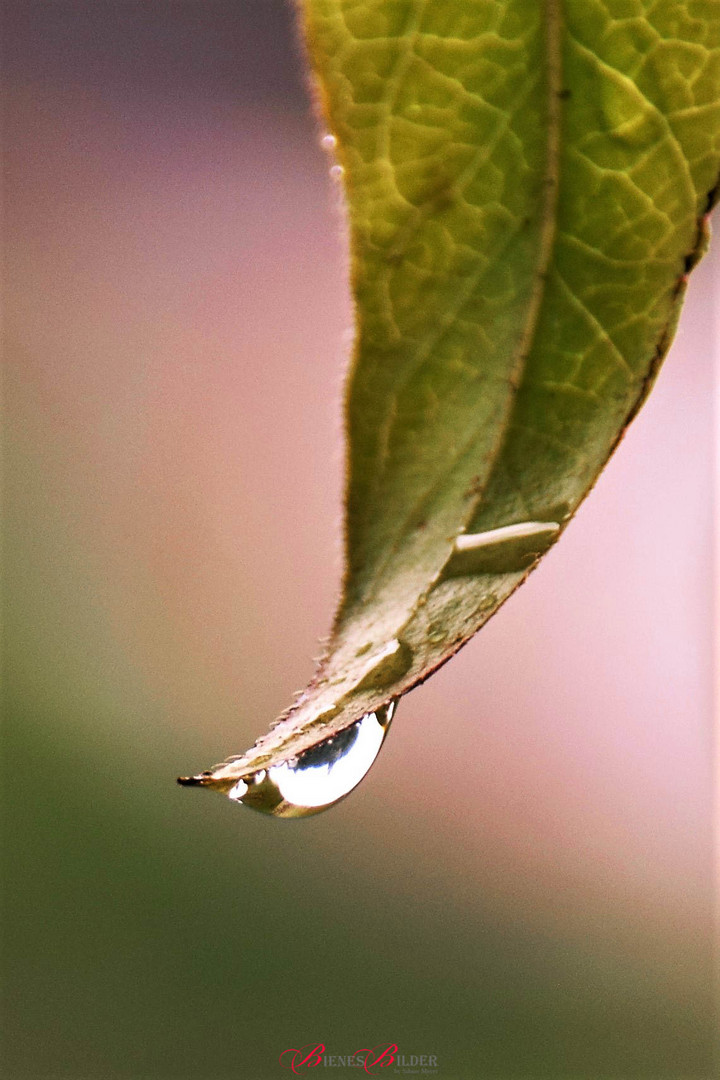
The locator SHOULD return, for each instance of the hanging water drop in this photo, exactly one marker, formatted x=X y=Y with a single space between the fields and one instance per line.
x=337 y=172
x=321 y=776
x=328 y=142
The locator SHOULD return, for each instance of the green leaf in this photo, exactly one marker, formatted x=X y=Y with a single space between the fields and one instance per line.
x=528 y=183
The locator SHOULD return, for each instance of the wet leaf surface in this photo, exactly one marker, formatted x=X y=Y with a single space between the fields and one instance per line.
x=527 y=186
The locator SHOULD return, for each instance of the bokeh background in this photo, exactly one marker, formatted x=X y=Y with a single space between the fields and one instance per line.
x=524 y=884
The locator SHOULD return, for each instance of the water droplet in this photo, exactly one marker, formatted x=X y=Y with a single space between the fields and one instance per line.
x=508 y=549
x=386 y=666
x=321 y=776
x=328 y=142
x=337 y=172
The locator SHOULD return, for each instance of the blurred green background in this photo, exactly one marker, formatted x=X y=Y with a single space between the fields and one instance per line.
x=523 y=886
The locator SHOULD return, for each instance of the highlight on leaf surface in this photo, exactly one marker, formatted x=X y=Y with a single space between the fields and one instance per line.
x=527 y=186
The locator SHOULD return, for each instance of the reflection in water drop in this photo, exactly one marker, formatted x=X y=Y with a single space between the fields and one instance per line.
x=328 y=142
x=337 y=172
x=320 y=776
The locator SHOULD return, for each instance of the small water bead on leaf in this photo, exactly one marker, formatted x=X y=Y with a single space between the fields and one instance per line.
x=328 y=142
x=386 y=666
x=499 y=551
x=337 y=172
x=487 y=603
x=321 y=776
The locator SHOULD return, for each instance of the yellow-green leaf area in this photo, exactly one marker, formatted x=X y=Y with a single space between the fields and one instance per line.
x=526 y=185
